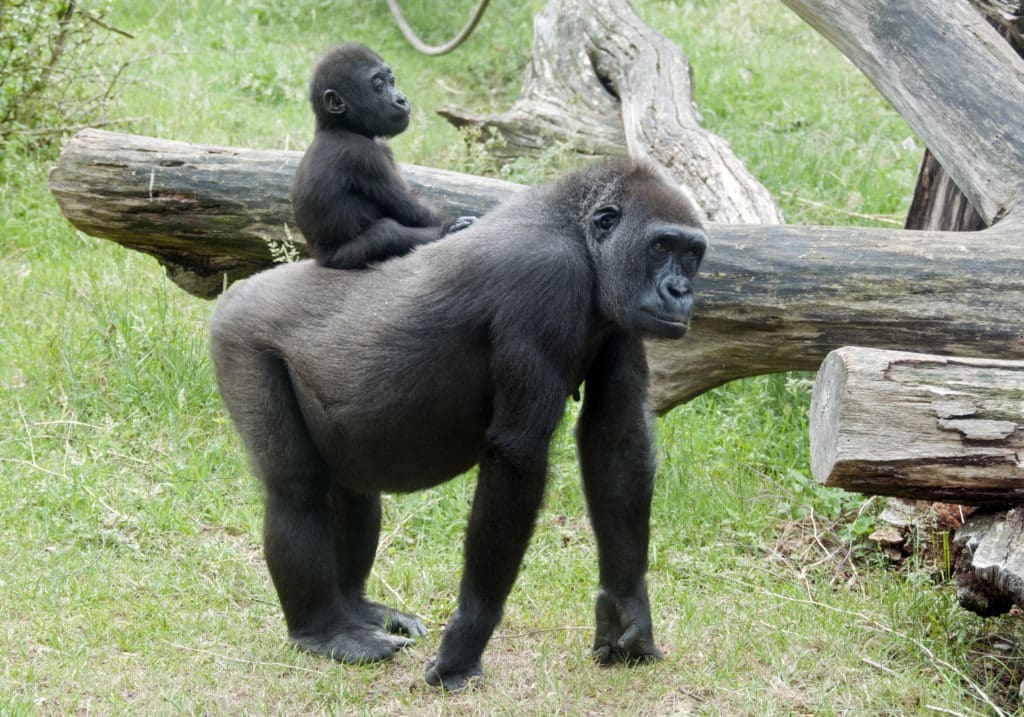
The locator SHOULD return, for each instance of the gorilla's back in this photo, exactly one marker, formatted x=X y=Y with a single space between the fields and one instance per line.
x=359 y=348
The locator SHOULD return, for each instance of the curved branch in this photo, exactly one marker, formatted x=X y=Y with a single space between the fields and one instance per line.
x=436 y=50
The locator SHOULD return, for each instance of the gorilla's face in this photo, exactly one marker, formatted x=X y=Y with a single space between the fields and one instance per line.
x=354 y=89
x=648 y=244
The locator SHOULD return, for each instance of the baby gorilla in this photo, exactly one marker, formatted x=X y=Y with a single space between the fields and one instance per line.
x=349 y=201
x=344 y=385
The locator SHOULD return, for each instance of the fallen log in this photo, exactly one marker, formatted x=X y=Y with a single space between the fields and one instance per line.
x=771 y=298
x=919 y=426
x=210 y=214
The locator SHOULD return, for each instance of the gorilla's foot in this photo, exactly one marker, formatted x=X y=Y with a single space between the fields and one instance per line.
x=453 y=680
x=352 y=645
x=394 y=621
x=624 y=633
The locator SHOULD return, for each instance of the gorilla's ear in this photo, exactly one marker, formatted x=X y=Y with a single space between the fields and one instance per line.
x=333 y=102
x=605 y=218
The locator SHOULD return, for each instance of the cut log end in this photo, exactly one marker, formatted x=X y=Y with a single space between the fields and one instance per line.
x=826 y=403
x=920 y=426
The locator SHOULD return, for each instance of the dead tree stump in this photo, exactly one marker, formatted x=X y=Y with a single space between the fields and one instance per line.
x=603 y=82
x=989 y=569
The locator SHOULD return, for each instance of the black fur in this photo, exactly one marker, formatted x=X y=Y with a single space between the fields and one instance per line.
x=346 y=385
x=350 y=203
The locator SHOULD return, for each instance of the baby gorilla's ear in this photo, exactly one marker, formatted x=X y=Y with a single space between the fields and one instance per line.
x=333 y=103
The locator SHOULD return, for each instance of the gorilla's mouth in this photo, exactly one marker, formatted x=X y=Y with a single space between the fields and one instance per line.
x=673 y=324
x=669 y=317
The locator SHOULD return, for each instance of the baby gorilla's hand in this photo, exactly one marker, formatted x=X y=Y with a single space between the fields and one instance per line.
x=459 y=224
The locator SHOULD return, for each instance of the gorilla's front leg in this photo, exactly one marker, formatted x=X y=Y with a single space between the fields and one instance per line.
x=617 y=462
x=501 y=521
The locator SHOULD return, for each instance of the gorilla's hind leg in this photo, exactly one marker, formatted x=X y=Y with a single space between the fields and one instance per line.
x=300 y=549
x=302 y=519
x=356 y=534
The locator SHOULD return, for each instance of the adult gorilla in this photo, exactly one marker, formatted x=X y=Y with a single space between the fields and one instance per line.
x=345 y=385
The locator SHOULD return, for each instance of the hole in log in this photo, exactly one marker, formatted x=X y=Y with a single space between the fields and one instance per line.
x=602 y=76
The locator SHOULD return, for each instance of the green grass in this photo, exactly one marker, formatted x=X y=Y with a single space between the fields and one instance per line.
x=133 y=579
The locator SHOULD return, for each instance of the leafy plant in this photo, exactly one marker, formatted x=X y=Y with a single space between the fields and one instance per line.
x=53 y=73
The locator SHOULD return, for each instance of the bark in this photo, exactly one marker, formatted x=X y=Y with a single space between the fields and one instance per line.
x=603 y=82
x=938 y=204
x=1007 y=16
x=989 y=571
x=951 y=76
x=919 y=426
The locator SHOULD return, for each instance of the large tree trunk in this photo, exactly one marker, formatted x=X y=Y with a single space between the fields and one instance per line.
x=919 y=426
x=602 y=82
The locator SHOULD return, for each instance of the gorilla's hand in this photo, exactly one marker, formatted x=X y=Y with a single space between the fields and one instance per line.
x=624 y=632
x=459 y=224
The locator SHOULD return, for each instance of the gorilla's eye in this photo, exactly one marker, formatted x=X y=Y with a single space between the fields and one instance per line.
x=606 y=217
x=660 y=246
